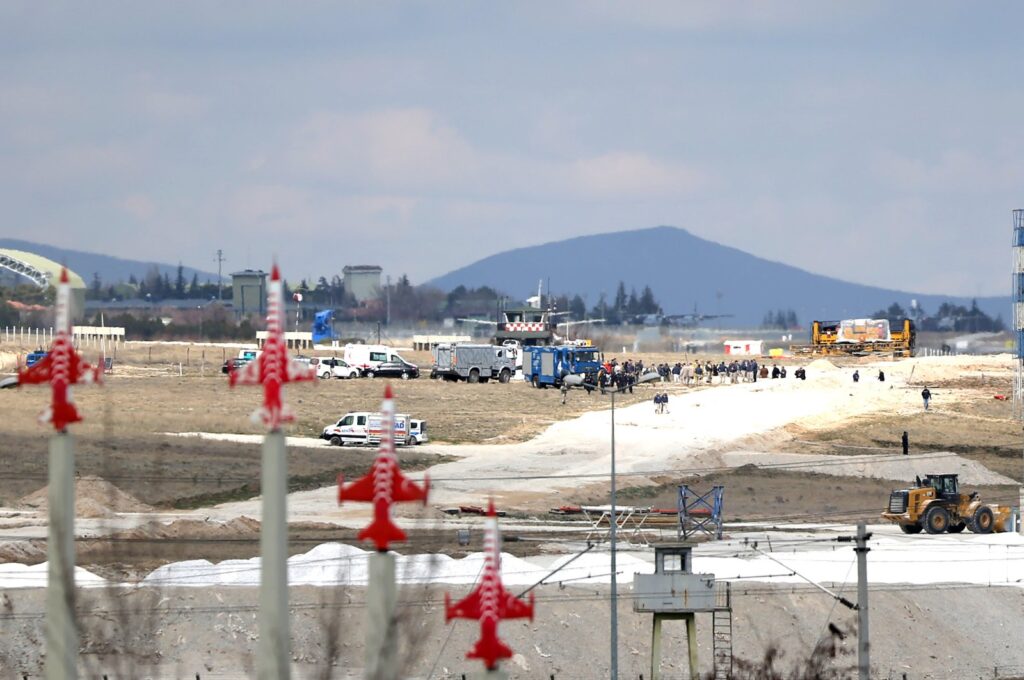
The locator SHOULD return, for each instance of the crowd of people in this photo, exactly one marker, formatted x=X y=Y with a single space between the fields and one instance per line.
x=626 y=373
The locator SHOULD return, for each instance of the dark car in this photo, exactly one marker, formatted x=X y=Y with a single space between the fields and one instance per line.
x=235 y=363
x=393 y=369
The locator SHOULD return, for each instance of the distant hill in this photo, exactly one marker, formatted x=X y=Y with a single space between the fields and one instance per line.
x=110 y=269
x=684 y=270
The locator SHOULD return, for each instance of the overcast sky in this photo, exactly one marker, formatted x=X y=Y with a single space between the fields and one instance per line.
x=881 y=143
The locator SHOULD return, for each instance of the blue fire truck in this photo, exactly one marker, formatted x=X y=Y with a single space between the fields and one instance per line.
x=543 y=366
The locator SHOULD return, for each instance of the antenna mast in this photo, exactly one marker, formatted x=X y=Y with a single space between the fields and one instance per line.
x=220 y=279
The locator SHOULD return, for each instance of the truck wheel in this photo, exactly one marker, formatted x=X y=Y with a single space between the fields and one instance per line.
x=474 y=376
x=936 y=519
x=910 y=528
x=336 y=441
x=983 y=520
x=957 y=527
x=505 y=375
x=413 y=441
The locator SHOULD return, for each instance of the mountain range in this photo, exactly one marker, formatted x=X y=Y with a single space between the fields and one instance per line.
x=685 y=272
x=110 y=269
x=688 y=273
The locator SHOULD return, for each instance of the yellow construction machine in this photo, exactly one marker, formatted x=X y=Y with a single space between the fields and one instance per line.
x=936 y=505
x=860 y=337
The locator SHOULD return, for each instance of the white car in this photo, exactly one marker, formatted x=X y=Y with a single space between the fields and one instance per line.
x=332 y=367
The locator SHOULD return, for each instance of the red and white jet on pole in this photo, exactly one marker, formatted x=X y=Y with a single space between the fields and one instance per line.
x=61 y=367
x=384 y=485
x=273 y=368
x=490 y=602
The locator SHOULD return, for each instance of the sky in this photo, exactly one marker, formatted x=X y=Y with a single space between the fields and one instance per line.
x=880 y=143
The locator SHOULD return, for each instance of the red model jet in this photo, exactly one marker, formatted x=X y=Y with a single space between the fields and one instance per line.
x=272 y=368
x=384 y=485
x=61 y=367
x=490 y=602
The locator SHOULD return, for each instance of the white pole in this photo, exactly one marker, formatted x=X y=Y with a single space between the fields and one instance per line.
x=61 y=634
x=863 y=637
x=615 y=587
x=381 y=597
x=273 y=655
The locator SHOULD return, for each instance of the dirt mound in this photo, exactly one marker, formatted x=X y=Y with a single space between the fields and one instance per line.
x=819 y=366
x=94 y=497
x=8 y=361
x=239 y=527
x=23 y=552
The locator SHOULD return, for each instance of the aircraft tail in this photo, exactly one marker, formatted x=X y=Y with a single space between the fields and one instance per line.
x=61 y=415
x=489 y=649
x=382 y=531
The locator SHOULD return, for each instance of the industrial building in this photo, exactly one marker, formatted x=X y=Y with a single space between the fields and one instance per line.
x=362 y=281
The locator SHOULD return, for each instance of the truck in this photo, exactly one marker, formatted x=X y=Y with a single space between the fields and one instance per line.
x=548 y=365
x=365 y=428
x=473 y=363
x=860 y=337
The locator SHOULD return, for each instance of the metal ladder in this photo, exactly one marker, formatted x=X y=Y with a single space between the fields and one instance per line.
x=721 y=623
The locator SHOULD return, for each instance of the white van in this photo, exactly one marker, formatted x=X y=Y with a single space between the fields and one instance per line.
x=367 y=358
x=364 y=427
x=418 y=431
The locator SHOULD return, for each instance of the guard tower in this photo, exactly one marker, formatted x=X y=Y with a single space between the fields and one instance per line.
x=674 y=592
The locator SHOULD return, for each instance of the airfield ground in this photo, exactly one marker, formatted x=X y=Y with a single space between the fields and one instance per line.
x=788 y=452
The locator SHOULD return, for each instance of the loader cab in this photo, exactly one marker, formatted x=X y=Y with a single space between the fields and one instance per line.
x=945 y=486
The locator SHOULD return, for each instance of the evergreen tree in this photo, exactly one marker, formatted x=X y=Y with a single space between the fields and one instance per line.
x=648 y=305
x=179 y=283
x=633 y=303
x=578 y=308
x=620 y=298
x=194 y=290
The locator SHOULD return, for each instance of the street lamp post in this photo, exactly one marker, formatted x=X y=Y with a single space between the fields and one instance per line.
x=613 y=534
x=615 y=584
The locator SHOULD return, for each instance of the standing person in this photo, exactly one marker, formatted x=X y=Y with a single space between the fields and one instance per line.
x=753 y=368
x=657 y=403
x=881 y=375
x=905 y=440
x=926 y=394
x=565 y=392
x=664 y=402
x=856 y=378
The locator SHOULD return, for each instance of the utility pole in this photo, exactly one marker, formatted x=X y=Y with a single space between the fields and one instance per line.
x=220 y=279
x=615 y=585
x=387 y=296
x=863 y=636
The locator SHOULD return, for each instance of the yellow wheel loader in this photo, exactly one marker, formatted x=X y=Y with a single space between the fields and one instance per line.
x=936 y=505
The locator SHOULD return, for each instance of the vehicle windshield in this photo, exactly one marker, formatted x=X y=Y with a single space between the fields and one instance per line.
x=585 y=355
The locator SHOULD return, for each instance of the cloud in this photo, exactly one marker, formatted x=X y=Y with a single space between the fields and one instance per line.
x=719 y=14
x=631 y=175
x=398 y=149
x=172 y=105
x=952 y=170
x=139 y=206
x=413 y=152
